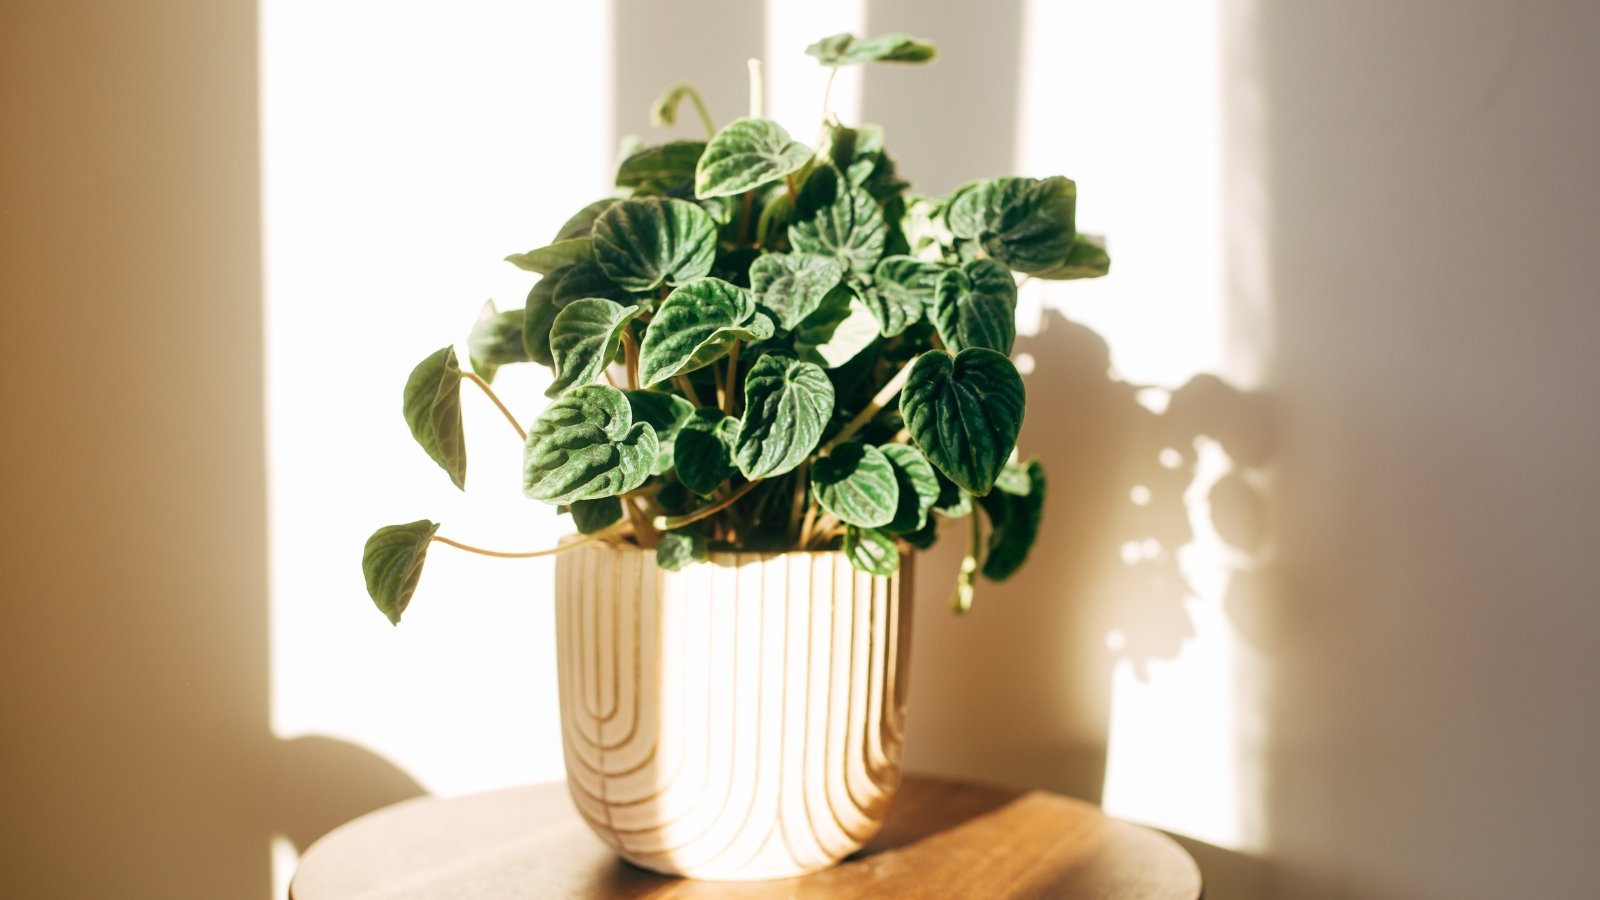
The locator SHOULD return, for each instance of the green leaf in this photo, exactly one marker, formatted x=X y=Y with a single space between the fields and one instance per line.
x=581 y=225
x=496 y=340
x=787 y=402
x=584 y=339
x=667 y=414
x=745 y=155
x=832 y=217
x=665 y=110
x=667 y=169
x=976 y=306
x=555 y=291
x=1034 y=233
x=644 y=242
x=918 y=487
x=953 y=502
x=392 y=562
x=976 y=208
x=793 y=284
x=856 y=483
x=432 y=408
x=547 y=259
x=697 y=324
x=870 y=550
x=590 y=516
x=1014 y=479
x=964 y=413
x=680 y=548
x=846 y=49
x=1087 y=259
x=903 y=289
x=839 y=330
x=704 y=450
x=1014 y=520
x=586 y=446
x=772 y=228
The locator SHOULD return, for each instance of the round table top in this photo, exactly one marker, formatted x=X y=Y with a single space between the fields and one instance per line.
x=941 y=839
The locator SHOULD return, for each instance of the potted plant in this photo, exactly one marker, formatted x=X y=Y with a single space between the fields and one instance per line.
x=775 y=370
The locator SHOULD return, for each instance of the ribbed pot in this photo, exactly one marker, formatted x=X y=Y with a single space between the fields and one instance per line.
x=741 y=719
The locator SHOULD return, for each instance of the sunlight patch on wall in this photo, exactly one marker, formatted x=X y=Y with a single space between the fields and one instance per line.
x=795 y=82
x=406 y=149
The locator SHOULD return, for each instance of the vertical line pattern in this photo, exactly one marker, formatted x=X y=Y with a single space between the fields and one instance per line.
x=741 y=719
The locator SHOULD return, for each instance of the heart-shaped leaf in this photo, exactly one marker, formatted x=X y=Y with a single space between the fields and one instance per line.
x=793 y=284
x=964 y=413
x=745 y=155
x=704 y=450
x=667 y=414
x=645 y=242
x=547 y=259
x=1087 y=259
x=496 y=340
x=697 y=324
x=581 y=225
x=432 y=408
x=1035 y=230
x=976 y=306
x=870 y=550
x=846 y=49
x=667 y=169
x=918 y=485
x=589 y=516
x=786 y=404
x=902 y=291
x=856 y=483
x=975 y=208
x=832 y=217
x=584 y=339
x=837 y=331
x=586 y=446
x=392 y=562
x=552 y=293
x=680 y=548
x=1014 y=518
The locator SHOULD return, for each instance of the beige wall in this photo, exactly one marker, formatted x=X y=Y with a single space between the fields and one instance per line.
x=1428 y=628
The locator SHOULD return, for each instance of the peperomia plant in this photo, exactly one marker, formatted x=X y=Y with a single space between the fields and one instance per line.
x=765 y=346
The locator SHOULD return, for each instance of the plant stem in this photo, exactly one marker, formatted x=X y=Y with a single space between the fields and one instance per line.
x=683 y=383
x=530 y=554
x=758 y=89
x=805 y=526
x=728 y=396
x=827 y=92
x=794 y=195
x=745 y=205
x=630 y=353
x=878 y=402
x=824 y=525
x=705 y=114
x=484 y=385
x=647 y=536
x=667 y=523
x=795 y=508
x=961 y=602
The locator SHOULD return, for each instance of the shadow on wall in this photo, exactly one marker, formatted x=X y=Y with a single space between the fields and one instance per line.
x=1019 y=690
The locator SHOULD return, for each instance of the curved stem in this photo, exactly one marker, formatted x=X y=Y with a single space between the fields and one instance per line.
x=484 y=385
x=827 y=92
x=962 y=601
x=728 y=397
x=878 y=402
x=705 y=114
x=530 y=554
x=758 y=89
x=667 y=523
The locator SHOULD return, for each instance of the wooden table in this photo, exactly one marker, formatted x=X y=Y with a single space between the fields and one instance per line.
x=941 y=839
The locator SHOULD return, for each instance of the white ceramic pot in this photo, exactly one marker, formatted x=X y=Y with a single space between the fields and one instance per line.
x=739 y=720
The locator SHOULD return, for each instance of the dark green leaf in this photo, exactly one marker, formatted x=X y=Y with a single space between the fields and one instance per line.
x=975 y=208
x=392 y=562
x=666 y=413
x=496 y=340
x=680 y=548
x=547 y=259
x=667 y=169
x=1087 y=259
x=772 y=228
x=697 y=324
x=745 y=155
x=976 y=306
x=856 y=483
x=903 y=289
x=586 y=446
x=846 y=49
x=552 y=293
x=1014 y=520
x=432 y=408
x=964 y=413
x=581 y=225
x=918 y=487
x=870 y=550
x=1035 y=230
x=590 y=516
x=837 y=331
x=584 y=339
x=787 y=402
x=645 y=242
x=704 y=450
x=923 y=537
x=793 y=284
x=953 y=502
x=832 y=217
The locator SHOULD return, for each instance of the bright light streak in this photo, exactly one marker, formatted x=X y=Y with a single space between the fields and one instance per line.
x=795 y=82
x=406 y=149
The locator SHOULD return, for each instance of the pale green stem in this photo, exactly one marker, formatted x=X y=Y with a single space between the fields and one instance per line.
x=962 y=601
x=667 y=523
x=530 y=554
x=758 y=89
x=827 y=92
x=879 y=401
x=488 y=392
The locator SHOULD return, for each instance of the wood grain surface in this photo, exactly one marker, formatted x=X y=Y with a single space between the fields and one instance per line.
x=941 y=839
